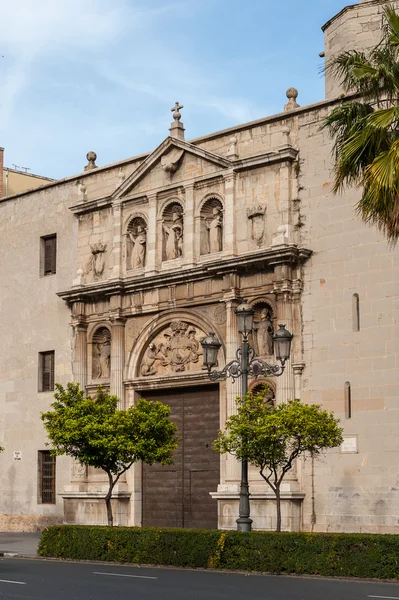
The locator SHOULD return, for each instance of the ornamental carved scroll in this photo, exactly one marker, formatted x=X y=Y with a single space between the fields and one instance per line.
x=174 y=350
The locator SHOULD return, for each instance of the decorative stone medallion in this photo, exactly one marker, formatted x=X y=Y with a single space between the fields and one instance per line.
x=220 y=315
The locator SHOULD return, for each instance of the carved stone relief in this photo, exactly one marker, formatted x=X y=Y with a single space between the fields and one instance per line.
x=78 y=471
x=101 y=355
x=256 y=215
x=220 y=314
x=170 y=162
x=96 y=262
x=174 y=350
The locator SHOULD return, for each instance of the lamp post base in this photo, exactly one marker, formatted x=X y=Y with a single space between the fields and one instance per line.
x=244 y=524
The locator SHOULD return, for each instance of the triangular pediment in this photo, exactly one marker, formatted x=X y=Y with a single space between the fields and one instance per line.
x=168 y=158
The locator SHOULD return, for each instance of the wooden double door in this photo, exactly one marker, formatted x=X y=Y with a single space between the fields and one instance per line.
x=178 y=495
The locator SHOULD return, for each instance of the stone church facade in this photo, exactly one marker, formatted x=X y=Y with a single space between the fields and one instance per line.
x=154 y=252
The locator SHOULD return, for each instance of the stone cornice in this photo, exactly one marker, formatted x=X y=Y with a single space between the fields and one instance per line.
x=267 y=258
x=283 y=154
x=349 y=8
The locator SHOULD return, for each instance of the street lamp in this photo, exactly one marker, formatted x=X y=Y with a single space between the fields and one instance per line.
x=245 y=365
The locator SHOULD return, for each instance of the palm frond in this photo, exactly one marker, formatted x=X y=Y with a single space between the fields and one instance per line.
x=392 y=20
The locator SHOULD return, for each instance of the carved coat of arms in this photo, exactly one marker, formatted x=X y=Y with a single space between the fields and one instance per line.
x=176 y=349
x=256 y=215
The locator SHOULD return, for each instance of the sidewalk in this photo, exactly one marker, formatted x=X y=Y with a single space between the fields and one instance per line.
x=19 y=543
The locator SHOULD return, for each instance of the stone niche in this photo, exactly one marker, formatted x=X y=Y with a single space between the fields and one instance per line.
x=175 y=349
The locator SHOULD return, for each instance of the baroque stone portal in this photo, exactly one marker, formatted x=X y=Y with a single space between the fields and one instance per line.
x=175 y=349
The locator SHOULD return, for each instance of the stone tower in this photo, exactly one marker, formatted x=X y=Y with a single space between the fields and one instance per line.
x=357 y=26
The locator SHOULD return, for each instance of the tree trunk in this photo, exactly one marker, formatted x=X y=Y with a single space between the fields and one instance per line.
x=108 y=501
x=278 y=506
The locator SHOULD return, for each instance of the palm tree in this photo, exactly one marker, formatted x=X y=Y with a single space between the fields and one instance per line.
x=365 y=128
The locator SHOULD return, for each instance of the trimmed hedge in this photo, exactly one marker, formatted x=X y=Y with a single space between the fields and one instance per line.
x=328 y=554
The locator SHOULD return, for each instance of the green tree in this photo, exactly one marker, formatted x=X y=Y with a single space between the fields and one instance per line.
x=271 y=437
x=366 y=130
x=94 y=432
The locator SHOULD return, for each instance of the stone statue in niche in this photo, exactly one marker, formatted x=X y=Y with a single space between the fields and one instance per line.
x=102 y=355
x=173 y=234
x=138 y=237
x=176 y=349
x=264 y=332
x=214 y=226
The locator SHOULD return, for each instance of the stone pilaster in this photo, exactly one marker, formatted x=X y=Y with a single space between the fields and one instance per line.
x=230 y=474
x=151 y=260
x=229 y=212
x=116 y=240
x=298 y=368
x=189 y=234
x=117 y=358
x=285 y=384
x=80 y=344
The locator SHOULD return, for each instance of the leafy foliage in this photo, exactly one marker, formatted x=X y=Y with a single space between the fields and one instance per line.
x=366 y=132
x=271 y=437
x=97 y=434
x=328 y=554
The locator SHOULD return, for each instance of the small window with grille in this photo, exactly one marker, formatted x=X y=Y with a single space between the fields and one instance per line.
x=46 y=477
x=48 y=255
x=46 y=371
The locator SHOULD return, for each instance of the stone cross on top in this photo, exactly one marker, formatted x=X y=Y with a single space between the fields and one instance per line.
x=175 y=111
x=176 y=128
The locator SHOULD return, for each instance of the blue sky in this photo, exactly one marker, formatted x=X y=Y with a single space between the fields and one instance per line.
x=80 y=75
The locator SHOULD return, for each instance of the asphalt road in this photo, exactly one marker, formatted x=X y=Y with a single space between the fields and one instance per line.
x=29 y=579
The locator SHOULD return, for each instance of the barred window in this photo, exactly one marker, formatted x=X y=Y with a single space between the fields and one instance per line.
x=46 y=371
x=46 y=477
x=48 y=254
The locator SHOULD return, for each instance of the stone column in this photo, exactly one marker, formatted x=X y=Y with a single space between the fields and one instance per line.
x=78 y=471
x=285 y=383
x=117 y=358
x=151 y=257
x=117 y=241
x=80 y=345
x=229 y=213
x=189 y=233
x=231 y=473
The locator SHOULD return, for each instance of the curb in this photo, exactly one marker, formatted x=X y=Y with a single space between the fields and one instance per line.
x=8 y=554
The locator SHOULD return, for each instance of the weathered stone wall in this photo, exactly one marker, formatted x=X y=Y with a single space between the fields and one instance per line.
x=355 y=27
x=359 y=491
x=33 y=320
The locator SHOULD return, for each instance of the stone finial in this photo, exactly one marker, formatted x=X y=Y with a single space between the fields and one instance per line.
x=176 y=128
x=232 y=151
x=82 y=190
x=292 y=95
x=91 y=157
x=79 y=278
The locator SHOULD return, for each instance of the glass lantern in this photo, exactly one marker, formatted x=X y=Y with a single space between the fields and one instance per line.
x=245 y=318
x=282 y=344
x=210 y=346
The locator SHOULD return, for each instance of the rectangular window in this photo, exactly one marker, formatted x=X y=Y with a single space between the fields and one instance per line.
x=48 y=254
x=46 y=371
x=46 y=477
